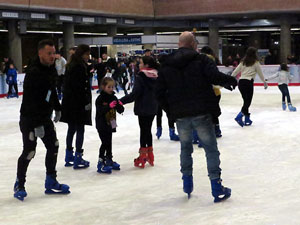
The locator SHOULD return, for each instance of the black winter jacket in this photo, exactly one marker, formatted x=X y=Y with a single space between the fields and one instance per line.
x=76 y=95
x=184 y=85
x=103 y=110
x=39 y=93
x=143 y=96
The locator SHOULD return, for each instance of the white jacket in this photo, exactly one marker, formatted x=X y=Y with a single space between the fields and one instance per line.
x=249 y=72
x=284 y=77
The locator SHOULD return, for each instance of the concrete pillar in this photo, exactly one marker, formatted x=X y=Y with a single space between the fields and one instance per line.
x=112 y=49
x=68 y=36
x=255 y=40
x=15 y=44
x=213 y=37
x=285 y=39
x=149 y=31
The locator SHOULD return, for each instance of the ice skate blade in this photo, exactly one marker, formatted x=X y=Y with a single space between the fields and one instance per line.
x=226 y=196
x=67 y=164
x=80 y=167
x=241 y=123
x=20 y=197
x=58 y=192
x=104 y=172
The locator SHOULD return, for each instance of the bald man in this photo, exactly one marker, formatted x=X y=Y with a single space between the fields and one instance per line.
x=184 y=90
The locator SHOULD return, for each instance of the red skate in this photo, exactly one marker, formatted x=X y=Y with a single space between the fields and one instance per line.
x=150 y=158
x=142 y=159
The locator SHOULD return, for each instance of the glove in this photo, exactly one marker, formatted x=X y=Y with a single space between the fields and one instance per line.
x=88 y=107
x=57 y=116
x=120 y=103
x=39 y=132
x=265 y=85
x=113 y=104
x=266 y=79
x=228 y=88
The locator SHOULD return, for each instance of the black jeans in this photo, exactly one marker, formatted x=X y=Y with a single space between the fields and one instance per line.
x=246 y=89
x=215 y=119
x=105 y=151
x=15 y=85
x=29 y=147
x=59 y=83
x=285 y=92
x=79 y=130
x=145 y=123
x=159 y=116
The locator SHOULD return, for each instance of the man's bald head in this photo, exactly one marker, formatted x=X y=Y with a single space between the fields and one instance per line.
x=187 y=40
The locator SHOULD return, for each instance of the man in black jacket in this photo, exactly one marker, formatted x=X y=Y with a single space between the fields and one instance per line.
x=184 y=90
x=39 y=100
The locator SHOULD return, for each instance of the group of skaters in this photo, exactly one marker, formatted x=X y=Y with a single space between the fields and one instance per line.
x=185 y=84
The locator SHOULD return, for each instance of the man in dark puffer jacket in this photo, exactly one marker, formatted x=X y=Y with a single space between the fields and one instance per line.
x=184 y=89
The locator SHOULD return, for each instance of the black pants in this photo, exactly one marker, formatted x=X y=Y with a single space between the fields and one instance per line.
x=124 y=86
x=215 y=119
x=159 y=116
x=246 y=89
x=79 y=130
x=285 y=92
x=10 y=86
x=105 y=151
x=59 y=83
x=29 y=147
x=145 y=123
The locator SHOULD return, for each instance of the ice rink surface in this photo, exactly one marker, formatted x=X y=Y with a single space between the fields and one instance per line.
x=260 y=163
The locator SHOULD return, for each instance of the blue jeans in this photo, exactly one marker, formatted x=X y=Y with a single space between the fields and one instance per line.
x=205 y=129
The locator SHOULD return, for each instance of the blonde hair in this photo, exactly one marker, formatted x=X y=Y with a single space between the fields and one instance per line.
x=107 y=80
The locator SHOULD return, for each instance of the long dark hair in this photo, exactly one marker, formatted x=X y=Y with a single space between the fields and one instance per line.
x=251 y=57
x=284 y=67
x=76 y=58
x=148 y=60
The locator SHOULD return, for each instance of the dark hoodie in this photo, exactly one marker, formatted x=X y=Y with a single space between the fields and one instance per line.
x=184 y=85
x=143 y=93
x=39 y=94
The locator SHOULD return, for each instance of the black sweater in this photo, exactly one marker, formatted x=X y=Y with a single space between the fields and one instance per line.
x=104 y=112
x=184 y=85
x=143 y=96
x=39 y=93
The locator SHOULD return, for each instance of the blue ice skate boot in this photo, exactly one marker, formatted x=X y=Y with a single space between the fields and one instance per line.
x=200 y=145
x=195 y=137
x=53 y=187
x=158 y=132
x=219 y=192
x=103 y=168
x=248 y=122
x=19 y=192
x=114 y=165
x=173 y=135
x=69 y=158
x=239 y=119
x=292 y=108
x=218 y=131
x=188 y=185
x=79 y=162
x=283 y=106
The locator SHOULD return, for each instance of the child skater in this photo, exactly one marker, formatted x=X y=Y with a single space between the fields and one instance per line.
x=284 y=77
x=106 y=106
x=248 y=67
x=11 y=80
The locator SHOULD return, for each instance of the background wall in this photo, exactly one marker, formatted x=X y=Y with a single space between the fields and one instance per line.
x=143 y=8
x=168 y=8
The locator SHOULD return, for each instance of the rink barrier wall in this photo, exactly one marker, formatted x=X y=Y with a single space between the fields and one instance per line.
x=268 y=70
